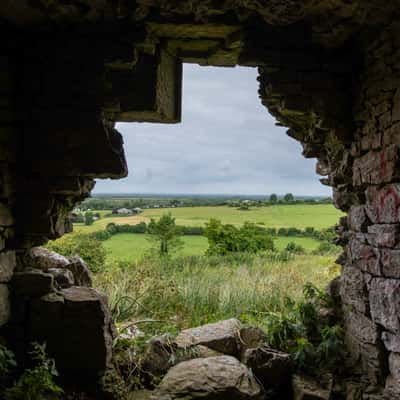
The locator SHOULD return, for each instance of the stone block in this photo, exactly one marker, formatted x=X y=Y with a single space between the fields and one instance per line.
x=390 y=260
x=391 y=341
x=353 y=289
x=358 y=219
x=32 y=283
x=221 y=336
x=384 y=235
x=76 y=325
x=377 y=167
x=383 y=204
x=384 y=297
x=271 y=367
x=7 y=265
x=362 y=327
x=4 y=305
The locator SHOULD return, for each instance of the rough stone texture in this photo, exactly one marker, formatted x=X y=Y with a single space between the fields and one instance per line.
x=272 y=368
x=251 y=337
x=327 y=70
x=76 y=326
x=4 y=305
x=63 y=278
x=305 y=388
x=7 y=265
x=222 y=377
x=32 y=283
x=80 y=271
x=220 y=336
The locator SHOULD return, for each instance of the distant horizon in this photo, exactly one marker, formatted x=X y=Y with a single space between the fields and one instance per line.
x=122 y=194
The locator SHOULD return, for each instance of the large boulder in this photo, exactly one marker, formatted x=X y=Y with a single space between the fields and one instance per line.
x=271 y=367
x=220 y=336
x=222 y=377
x=80 y=270
x=46 y=260
x=63 y=277
x=76 y=325
x=32 y=283
x=41 y=258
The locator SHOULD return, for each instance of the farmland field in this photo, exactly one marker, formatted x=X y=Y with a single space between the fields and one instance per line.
x=300 y=216
x=132 y=247
x=319 y=216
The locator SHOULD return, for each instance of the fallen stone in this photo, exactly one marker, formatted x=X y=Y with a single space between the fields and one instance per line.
x=271 y=367
x=41 y=258
x=157 y=358
x=7 y=265
x=306 y=388
x=4 y=305
x=221 y=336
x=76 y=325
x=80 y=270
x=63 y=277
x=213 y=378
x=32 y=283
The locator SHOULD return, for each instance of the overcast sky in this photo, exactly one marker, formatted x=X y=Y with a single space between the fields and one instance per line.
x=227 y=143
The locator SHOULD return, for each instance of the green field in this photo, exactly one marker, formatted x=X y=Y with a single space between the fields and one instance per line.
x=300 y=215
x=319 y=216
x=132 y=247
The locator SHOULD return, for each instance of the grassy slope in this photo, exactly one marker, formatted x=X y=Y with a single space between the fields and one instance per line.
x=131 y=247
x=300 y=216
x=190 y=292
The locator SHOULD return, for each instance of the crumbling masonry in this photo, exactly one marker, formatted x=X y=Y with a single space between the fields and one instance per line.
x=328 y=70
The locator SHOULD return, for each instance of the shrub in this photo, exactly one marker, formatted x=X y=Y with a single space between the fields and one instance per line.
x=36 y=383
x=225 y=238
x=84 y=245
x=292 y=247
x=297 y=330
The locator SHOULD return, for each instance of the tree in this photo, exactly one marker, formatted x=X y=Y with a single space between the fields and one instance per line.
x=166 y=234
x=288 y=197
x=273 y=198
x=84 y=245
x=224 y=239
x=89 y=219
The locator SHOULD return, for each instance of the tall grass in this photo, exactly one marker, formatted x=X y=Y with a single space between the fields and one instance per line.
x=191 y=291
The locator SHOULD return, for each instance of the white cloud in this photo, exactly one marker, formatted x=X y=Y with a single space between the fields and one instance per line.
x=227 y=143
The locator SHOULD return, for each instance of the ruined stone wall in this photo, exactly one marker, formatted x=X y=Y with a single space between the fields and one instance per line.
x=371 y=266
x=8 y=143
x=344 y=109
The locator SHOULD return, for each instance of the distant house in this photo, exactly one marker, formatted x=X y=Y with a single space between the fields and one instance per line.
x=136 y=210
x=122 y=211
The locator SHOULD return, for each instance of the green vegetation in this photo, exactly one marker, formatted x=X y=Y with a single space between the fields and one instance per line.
x=319 y=216
x=165 y=234
x=224 y=238
x=190 y=291
x=35 y=383
x=86 y=246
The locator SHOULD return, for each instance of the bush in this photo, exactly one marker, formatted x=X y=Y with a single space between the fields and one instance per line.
x=36 y=383
x=224 y=239
x=298 y=331
x=86 y=246
x=292 y=247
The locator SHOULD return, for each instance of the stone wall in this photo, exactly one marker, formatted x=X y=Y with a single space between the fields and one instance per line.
x=346 y=113
x=328 y=70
